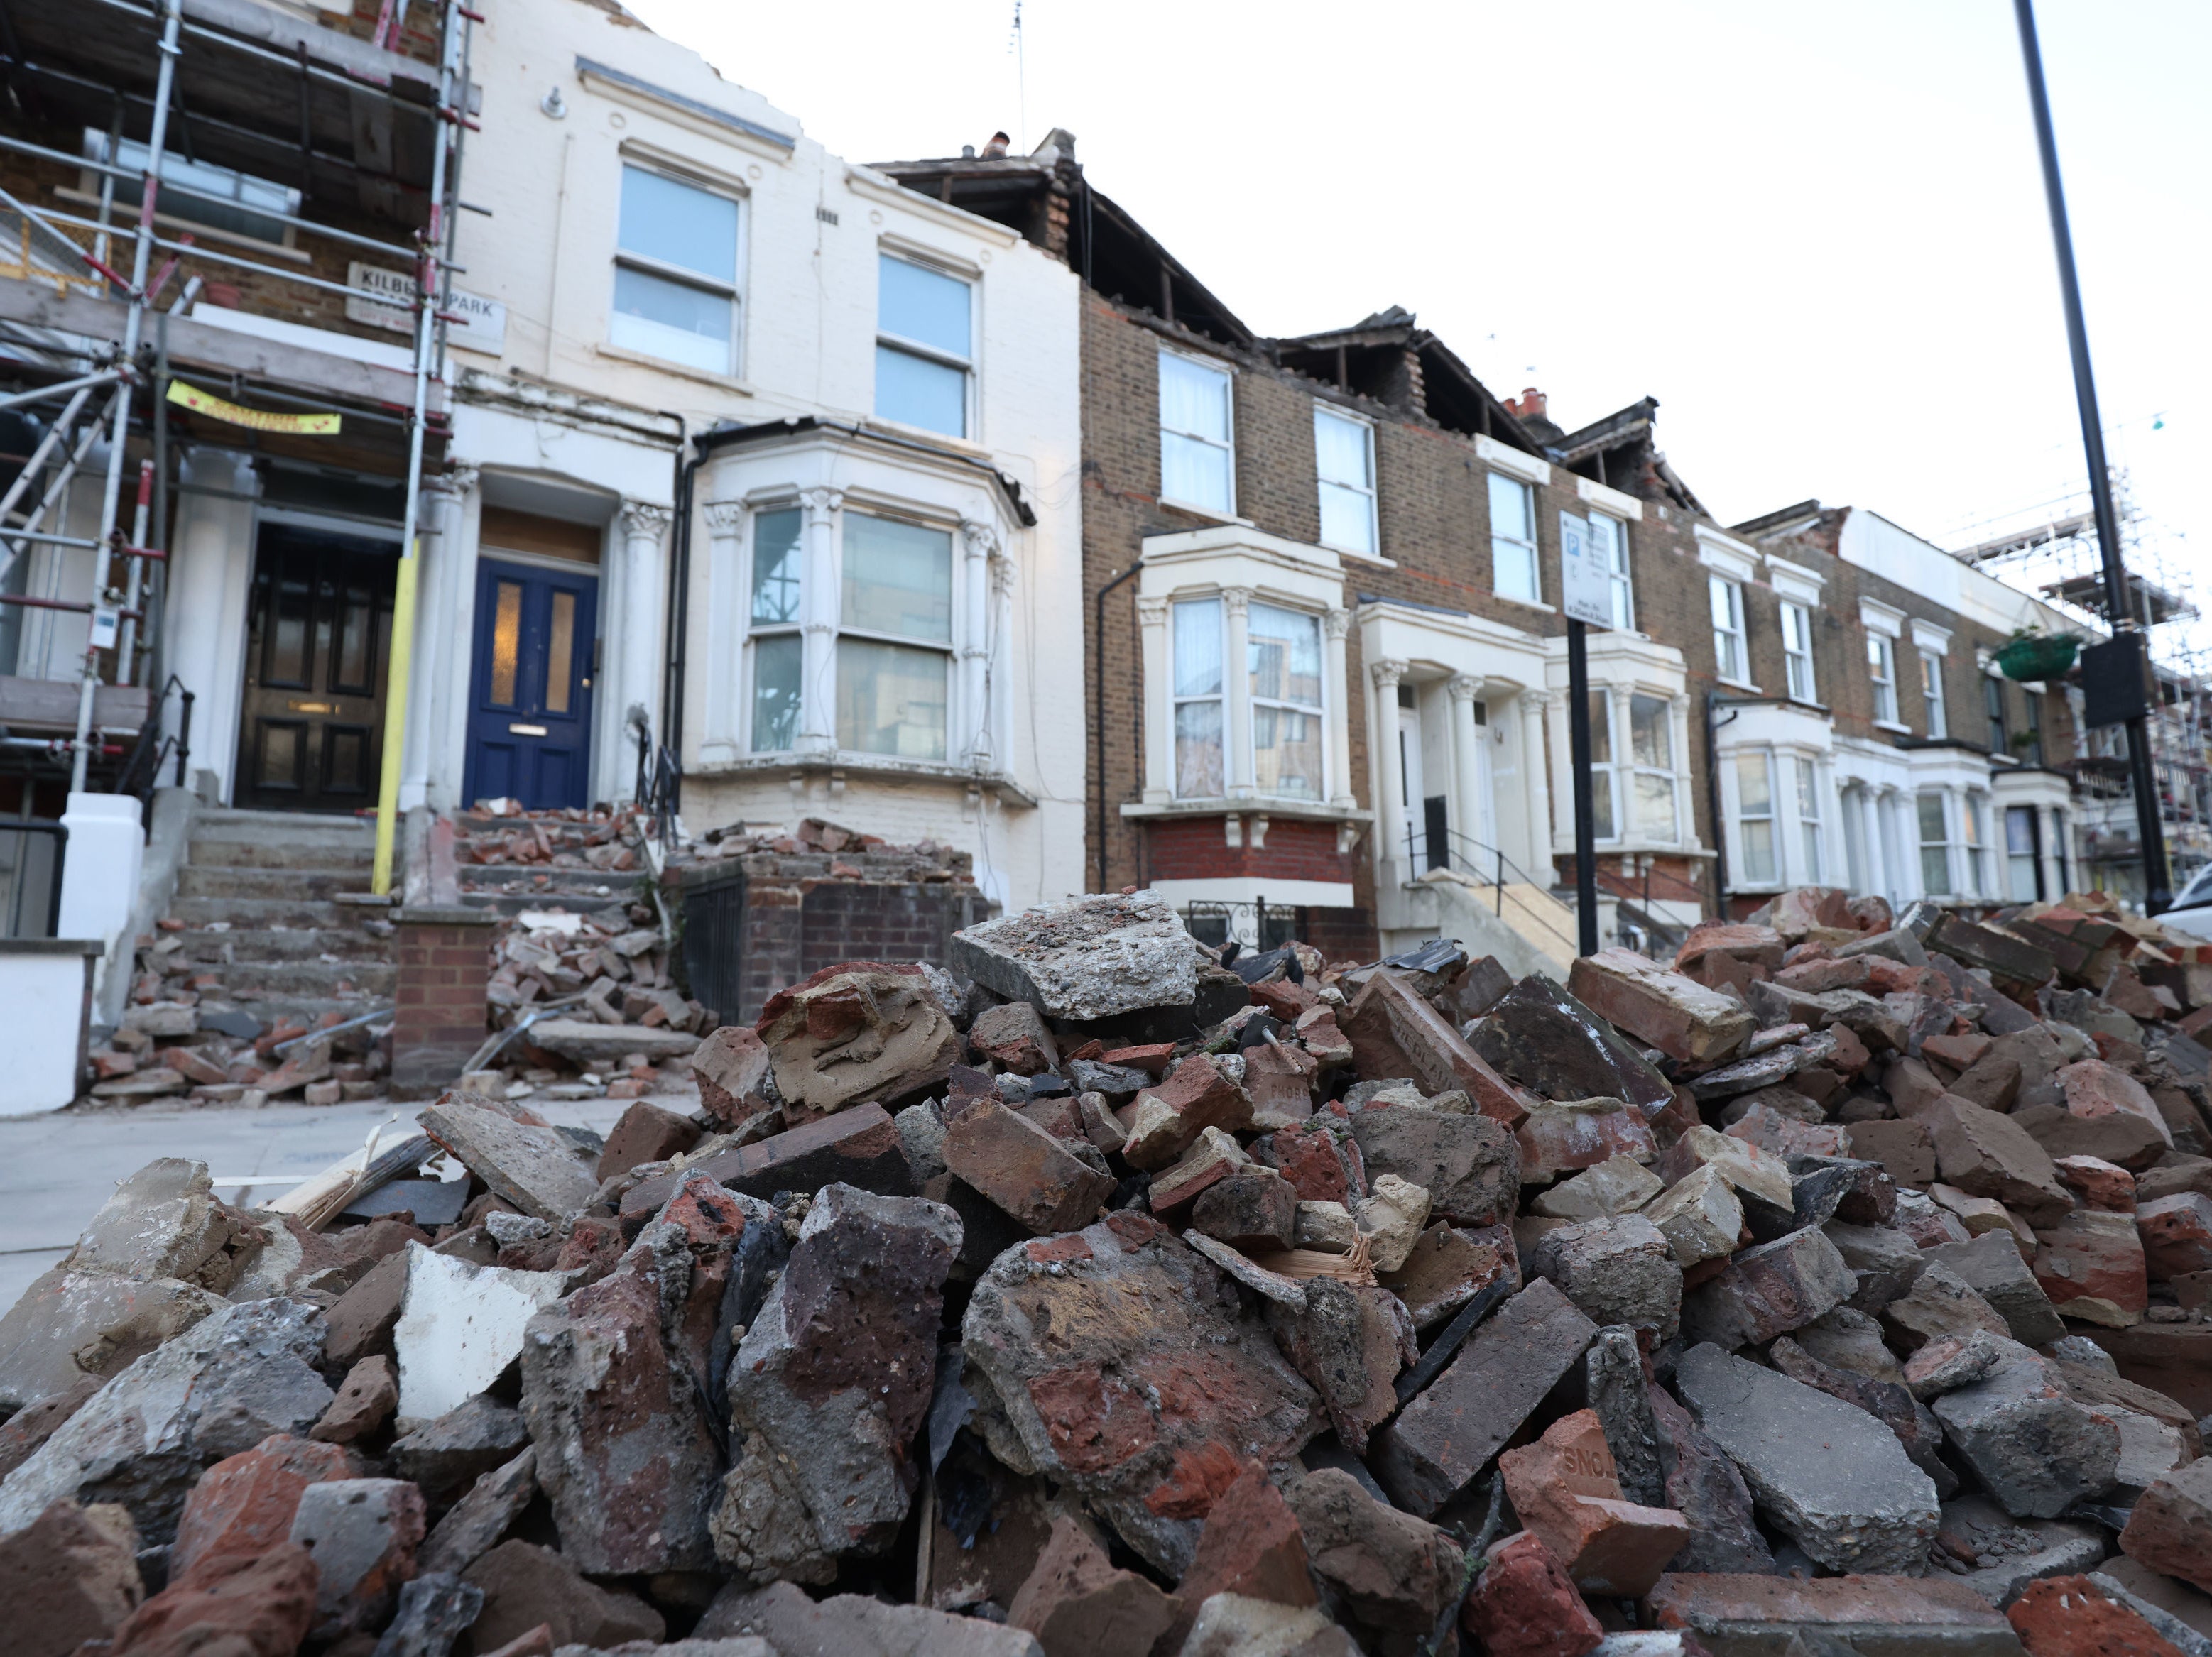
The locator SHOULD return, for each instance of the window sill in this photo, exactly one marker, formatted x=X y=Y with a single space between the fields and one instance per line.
x=1207 y=513
x=1375 y=558
x=1893 y=727
x=1810 y=706
x=874 y=767
x=1739 y=684
x=1525 y=603
x=121 y=229
x=681 y=370
x=1255 y=806
x=899 y=429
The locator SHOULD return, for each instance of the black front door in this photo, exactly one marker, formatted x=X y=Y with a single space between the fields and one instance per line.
x=530 y=696
x=318 y=638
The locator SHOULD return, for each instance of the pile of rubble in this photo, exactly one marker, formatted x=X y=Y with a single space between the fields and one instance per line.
x=1096 y=1298
x=168 y=1048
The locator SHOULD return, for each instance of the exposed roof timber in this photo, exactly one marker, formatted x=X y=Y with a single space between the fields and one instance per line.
x=1622 y=427
x=2043 y=535
x=1783 y=520
x=1208 y=316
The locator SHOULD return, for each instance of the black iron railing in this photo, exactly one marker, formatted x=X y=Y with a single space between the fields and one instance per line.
x=1471 y=856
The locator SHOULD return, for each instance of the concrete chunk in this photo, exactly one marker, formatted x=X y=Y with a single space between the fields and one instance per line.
x=1830 y=1476
x=859 y=1030
x=1091 y=958
x=2034 y=1449
x=1769 y=1290
x=1991 y=1265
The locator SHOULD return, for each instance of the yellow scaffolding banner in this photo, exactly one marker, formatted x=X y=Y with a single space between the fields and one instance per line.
x=261 y=420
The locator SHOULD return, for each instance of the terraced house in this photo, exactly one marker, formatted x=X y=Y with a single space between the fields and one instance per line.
x=1328 y=674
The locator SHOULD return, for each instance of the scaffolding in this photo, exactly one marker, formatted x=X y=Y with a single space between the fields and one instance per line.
x=2058 y=559
x=176 y=102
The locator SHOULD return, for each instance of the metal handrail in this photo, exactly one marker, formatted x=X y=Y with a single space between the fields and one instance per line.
x=1503 y=866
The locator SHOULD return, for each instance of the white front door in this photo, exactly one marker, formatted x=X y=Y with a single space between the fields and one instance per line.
x=1409 y=770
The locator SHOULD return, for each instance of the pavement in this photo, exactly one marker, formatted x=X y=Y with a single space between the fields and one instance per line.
x=56 y=1170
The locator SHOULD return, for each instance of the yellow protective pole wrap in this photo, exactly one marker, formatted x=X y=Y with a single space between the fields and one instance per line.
x=395 y=719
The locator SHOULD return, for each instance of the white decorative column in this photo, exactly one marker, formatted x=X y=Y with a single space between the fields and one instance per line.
x=997 y=723
x=203 y=632
x=1535 y=778
x=1390 y=775
x=1236 y=693
x=722 y=687
x=818 y=609
x=1336 y=695
x=1555 y=830
x=1685 y=809
x=1159 y=690
x=972 y=740
x=432 y=665
x=1466 y=767
x=645 y=527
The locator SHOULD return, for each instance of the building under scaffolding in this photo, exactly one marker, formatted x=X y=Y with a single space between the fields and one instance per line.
x=225 y=254
x=2059 y=561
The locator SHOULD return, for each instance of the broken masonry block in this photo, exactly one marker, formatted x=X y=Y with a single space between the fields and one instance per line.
x=1830 y=1476
x=1030 y=1173
x=1447 y=1434
x=861 y=1030
x=800 y=1381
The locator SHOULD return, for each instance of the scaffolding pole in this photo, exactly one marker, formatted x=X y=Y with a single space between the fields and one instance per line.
x=431 y=278
x=134 y=328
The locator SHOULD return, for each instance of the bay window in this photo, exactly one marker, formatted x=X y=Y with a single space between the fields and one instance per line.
x=1935 y=843
x=1754 y=790
x=1197 y=450
x=1730 y=659
x=778 y=647
x=924 y=322
x=1344 y=458
x=1513 y=540
x=894 y=638
x=1604 y=786
x=1797 y=650
x=1975 y=845
x=891 y=610
x=1652 y=748
x=675 y=272
x=1200 y=769
x=1283 y=652
x=1809 y=819
x=2023 y=855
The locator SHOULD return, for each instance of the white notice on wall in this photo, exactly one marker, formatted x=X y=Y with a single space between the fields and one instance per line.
x=386 y=300
x=1585 y=583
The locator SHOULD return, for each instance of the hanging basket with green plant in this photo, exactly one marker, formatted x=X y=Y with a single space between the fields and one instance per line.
x=2032 y=654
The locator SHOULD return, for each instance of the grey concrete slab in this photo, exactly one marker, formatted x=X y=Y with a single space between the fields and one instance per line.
x=56 y=1170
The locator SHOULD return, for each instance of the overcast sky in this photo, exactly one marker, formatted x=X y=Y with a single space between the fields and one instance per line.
x=1815 y=233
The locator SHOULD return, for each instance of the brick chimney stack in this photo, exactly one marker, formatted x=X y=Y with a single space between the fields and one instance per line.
x=1529 y=405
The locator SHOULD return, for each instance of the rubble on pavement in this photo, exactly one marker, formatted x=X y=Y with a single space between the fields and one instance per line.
x=1841 y=1287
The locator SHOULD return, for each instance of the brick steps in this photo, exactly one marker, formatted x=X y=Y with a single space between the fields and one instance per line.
x=281 y=943
x=194 y=880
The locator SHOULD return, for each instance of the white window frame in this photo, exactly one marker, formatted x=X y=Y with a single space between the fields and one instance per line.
x=683 y=276
x=1227 y=447
x=1881 y=675
x=1812 y=836
x=1947 y=847
x=1605 y=774
x=175 y=200
x=1797 y=678
x=1252 y=703
x=1743 y=817
x=1530 y=547
x=1219 y=698
x=1937 y=716
x=886 y=340
x=1618 y=574
x=1635 y=768
x=1371 y=490
x=815 y=608
x=1974 y=842
x=1731 y=641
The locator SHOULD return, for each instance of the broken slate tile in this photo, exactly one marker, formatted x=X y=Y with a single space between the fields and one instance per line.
x=1444 y=1437
x=1542 y=1037
x=532 y=1167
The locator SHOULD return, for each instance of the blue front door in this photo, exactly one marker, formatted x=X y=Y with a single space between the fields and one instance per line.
x=529 y=690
